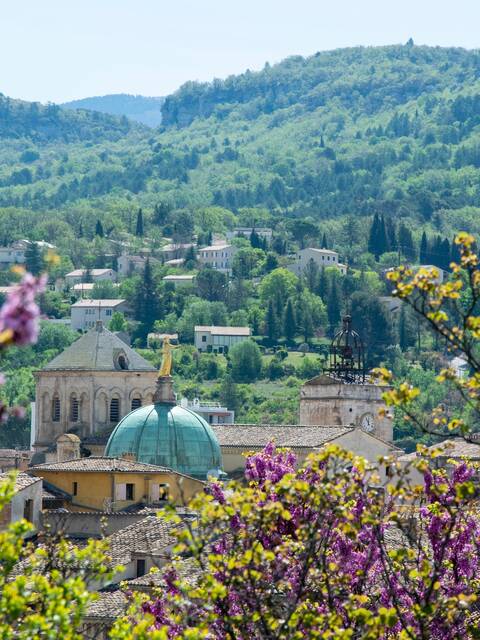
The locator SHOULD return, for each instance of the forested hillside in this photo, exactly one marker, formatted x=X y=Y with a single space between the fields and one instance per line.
x=329 y=139
x=139 y=108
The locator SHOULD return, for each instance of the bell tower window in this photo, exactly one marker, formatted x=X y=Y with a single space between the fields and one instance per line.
x=56 y=409
x=74 y=409
x=114 y=410
x=136 y=403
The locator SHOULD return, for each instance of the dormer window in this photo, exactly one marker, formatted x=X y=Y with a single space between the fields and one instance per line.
x=121 y=361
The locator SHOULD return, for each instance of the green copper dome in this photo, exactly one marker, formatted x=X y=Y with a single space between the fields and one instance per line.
x=168 y=436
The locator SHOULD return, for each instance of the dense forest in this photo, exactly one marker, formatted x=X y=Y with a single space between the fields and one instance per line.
x=328 y=139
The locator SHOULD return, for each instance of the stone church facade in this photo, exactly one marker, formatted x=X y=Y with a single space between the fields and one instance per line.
x=89 y=387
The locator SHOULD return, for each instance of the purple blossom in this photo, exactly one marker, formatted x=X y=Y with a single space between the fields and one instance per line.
x=20 y=313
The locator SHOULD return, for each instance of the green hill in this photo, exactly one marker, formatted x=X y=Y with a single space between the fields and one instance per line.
x=332 y=139
x=142 y=109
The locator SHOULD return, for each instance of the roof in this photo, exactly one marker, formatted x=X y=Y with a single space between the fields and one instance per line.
x=294 y=436
x=176 y=246
x=179 y=277
x=105 y=303
x=22 y=481
x=93 y=272
x=98 y=350
x=224 y=331
x=175 y=262
x=216 y=247
x=108 y=605
x=149 y=535
x=454 y=448
x=100 y=463
x=317 y=250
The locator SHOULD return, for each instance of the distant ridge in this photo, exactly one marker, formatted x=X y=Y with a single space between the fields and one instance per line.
x=146 y=110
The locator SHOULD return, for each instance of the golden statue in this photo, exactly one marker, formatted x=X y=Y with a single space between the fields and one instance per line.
x=166 y=365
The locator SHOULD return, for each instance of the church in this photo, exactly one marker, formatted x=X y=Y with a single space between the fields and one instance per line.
x=88 y=388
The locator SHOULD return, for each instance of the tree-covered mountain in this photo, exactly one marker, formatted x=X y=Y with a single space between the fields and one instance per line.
x=142 y=109
x=327 y=140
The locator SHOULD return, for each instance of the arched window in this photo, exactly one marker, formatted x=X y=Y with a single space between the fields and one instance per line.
x=122 y=362
x=74 y=409
x=136 y=403
x=114 y=410
x=56 y=409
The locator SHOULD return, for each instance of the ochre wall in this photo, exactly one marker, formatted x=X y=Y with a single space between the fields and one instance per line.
x=95 y=489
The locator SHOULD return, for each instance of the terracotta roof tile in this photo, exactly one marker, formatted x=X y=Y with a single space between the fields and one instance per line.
x=100 y=463
x=250 y=435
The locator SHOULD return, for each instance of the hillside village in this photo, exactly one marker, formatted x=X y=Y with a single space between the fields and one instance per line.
x=236 y=323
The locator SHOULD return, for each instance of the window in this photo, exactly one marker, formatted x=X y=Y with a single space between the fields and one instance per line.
x=204 y=338
x=108 y=312
x=28 y=509
x=74 y=409
x=129 y=491
x=136 y=403
x=56 y=409
x=122 y=362
x=141 y=568
x=74 y=488
x=114 y=410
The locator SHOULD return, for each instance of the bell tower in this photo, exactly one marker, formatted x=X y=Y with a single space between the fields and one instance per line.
x=343 y=395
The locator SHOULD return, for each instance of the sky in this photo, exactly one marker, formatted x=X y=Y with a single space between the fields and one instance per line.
x=59 y=50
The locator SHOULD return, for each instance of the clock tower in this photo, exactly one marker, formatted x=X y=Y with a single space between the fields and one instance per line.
x=343 y=396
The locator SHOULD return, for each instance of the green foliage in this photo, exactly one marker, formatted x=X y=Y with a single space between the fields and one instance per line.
x=246 y=361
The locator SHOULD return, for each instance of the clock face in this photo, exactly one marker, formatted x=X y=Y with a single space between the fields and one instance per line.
x=367 y=422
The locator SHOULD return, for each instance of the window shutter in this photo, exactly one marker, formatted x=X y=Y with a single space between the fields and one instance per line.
x=120 y=492
x=154 y=492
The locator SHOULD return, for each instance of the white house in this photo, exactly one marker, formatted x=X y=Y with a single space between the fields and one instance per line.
x=212 y=412
x=26 y=502
x=246 y=232
x=180 y=280
x=321 y=257
x=219 y=339
x=94 y=275
x=11 y=255
x=85 y=313
x=217 y=256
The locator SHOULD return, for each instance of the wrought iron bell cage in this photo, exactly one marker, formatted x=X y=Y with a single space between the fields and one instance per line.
x=347 y=355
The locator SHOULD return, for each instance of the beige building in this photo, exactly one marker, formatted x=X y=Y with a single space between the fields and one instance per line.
x=84 y=314
x=325 y=400
x=217 y=256
x=114 y=484
x=92 y=275
x=89 y=387
x=26 y=502
x=219 y=339
x=181 y=280
x=321 y=257
x=238 y=439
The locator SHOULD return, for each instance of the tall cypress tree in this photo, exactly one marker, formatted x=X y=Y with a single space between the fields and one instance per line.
x=271 y=322
x=99 y=229
x=445 y=250
x=324 y=244
x=391 y=235
x=382 y=240
x=289 y=321
x=147 y=304
x=139 y=226
x=323 y=285
x=333 y=306
x=424 y=249
x=405 y=243
x=373 y=237
x=33 y=259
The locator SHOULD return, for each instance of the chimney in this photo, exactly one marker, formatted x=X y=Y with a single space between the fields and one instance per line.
x=68 y=447
x=99 y=326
